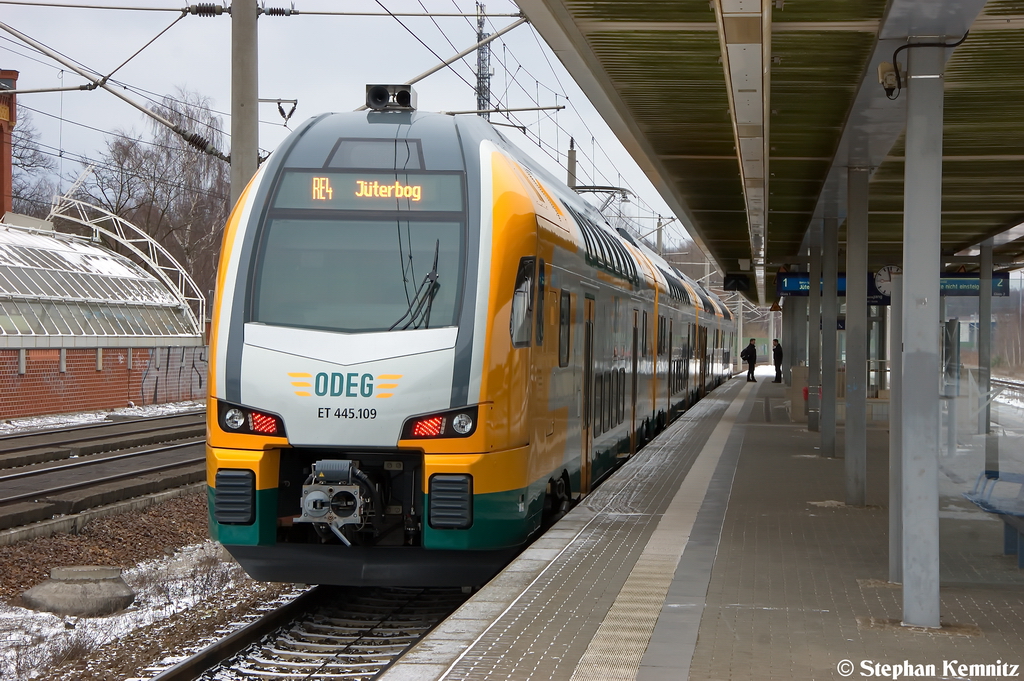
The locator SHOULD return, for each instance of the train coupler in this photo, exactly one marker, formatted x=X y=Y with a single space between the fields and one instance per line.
x=336 y=495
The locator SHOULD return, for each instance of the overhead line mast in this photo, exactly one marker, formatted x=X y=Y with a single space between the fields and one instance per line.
x=483 y=65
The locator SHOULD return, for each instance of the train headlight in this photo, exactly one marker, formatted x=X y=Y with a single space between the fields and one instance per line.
x=462 y=423
x=459 y=422
x=249 y=421
x=234 y=418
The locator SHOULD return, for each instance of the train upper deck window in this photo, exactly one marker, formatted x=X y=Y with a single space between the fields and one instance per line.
x=332 y=190
x=541 y=281
x=564 y=311
x=392 y=154
x=521 y=319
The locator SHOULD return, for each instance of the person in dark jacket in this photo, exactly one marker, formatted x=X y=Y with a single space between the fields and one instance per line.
x=749 y=355
x=777 y=358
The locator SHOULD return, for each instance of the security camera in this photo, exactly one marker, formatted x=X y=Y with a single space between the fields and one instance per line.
x=887 y=78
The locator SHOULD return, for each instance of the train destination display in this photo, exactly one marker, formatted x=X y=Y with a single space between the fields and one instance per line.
x=327 y=190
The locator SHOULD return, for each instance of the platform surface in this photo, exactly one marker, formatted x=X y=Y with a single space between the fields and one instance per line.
x=723 y=551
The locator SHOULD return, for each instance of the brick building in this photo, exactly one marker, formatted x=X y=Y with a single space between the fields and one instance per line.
x=83 y=327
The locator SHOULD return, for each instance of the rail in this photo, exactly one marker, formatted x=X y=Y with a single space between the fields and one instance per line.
x=328 y=632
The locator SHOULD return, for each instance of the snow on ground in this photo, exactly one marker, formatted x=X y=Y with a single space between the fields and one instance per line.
x=30 y=423
x=31 y=641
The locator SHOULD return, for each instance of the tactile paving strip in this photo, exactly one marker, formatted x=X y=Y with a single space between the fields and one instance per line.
x=544 y=633
x=615 y=652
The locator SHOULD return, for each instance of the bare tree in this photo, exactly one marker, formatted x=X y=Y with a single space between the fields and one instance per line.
x=176 y=193
x=32 y=180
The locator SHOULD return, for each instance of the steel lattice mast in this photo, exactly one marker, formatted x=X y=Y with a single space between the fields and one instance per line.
x=483 y=66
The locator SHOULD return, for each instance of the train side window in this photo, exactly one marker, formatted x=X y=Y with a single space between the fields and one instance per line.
x=609 y=397
x=540 y=301
x=598 y=404
x=521 y=320
x=643 y=345
x=564 y=316
x=622 y=395
x=613 y=409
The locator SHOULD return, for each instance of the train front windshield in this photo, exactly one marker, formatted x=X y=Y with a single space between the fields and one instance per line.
x=357 y=253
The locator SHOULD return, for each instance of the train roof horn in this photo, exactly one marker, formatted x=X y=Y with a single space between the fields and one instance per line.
x=391 y=97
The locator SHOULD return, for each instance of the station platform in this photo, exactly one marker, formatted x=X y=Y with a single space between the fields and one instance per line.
x=723 y=551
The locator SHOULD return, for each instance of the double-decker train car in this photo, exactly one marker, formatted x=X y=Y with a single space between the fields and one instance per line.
x=422 y=346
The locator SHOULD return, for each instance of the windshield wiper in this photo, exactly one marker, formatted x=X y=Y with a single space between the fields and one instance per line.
x=419 y=307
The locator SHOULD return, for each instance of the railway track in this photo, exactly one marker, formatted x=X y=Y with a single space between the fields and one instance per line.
x=184 y=454
x=40 y=446
x=328 y=633
x=1009 y=387
x=61 y=472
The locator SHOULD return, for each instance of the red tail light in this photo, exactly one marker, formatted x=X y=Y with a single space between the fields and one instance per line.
x=236 y=419
x=428 y=427
x=262 y=423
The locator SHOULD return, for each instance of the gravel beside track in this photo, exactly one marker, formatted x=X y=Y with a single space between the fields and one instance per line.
x=125 y=541
x=146 y=652
x=121 y=540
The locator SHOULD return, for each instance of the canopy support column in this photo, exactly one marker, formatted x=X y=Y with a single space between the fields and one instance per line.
x=814 y=330
x=921 y=363
x=829 y=323
x=985 y=360
x=896 y=431
x=856 y=335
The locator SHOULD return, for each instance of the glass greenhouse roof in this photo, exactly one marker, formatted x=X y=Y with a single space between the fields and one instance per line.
x=53 y=284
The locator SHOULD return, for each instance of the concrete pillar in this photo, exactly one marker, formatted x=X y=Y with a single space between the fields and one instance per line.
x=799 y=353
x=829 y=341
x=788 y=346
x=856 y=335
x=951 y=377
x=882 y=348
x=985 y=360
x=244 y=95
x=814 y=329
x=896 y=431
x=921 y=252
x=739 y=332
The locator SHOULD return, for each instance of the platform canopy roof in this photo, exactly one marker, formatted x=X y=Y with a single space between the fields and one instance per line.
x=746 y=114
x=60 y=290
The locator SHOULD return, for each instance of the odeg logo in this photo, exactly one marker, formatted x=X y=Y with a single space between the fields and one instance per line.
x=344 y=385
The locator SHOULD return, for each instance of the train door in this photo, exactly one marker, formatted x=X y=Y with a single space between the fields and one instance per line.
x=685 y=378
x=671 y=373
x=633 y=391
x=587 y=447
x=702 y=334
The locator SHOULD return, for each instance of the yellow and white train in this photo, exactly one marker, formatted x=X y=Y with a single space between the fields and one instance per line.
x=423 y=345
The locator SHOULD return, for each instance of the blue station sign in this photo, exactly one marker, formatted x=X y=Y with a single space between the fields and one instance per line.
x=950 y=284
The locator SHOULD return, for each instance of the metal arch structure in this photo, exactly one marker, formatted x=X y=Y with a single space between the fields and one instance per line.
x=157 y=259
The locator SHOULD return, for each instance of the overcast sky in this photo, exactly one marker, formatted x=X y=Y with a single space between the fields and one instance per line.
x=322 y=61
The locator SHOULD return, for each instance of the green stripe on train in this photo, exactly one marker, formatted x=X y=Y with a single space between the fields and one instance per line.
x=498 y=521
x=262 y=532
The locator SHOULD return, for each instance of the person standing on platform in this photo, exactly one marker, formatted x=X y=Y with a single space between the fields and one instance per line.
x=749 y=355
x=777 y=357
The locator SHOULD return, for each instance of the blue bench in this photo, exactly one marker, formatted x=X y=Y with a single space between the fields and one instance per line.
x=1009 y=509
